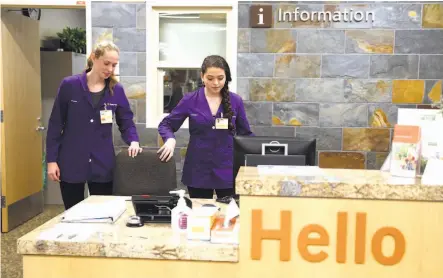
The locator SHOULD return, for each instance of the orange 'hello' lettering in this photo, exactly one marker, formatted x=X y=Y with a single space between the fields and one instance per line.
x=304 y=240
x=284 y=235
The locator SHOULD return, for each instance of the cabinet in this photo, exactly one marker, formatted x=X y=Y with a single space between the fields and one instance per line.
x=56 y=65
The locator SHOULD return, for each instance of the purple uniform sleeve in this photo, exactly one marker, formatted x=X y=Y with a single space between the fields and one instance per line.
x=124 y=119
x=175 y=119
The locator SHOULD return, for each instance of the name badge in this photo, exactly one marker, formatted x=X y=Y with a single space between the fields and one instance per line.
x=106 y=116
x=221 y=123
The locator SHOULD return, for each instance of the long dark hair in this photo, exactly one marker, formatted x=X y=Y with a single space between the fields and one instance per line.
x=215 y=61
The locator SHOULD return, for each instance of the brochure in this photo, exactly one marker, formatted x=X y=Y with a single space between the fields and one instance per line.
x=431 y=125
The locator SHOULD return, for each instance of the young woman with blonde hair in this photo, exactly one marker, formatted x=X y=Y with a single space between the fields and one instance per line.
x=79 y=145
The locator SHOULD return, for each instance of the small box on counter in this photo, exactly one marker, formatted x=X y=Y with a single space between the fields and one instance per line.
x=200 y=223
x=222 y=234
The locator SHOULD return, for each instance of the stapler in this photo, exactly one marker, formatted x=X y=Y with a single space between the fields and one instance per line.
x=155 y=209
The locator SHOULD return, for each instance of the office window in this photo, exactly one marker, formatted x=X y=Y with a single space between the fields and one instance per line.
x=177 y=83
x=180 y=39
x=189 y=38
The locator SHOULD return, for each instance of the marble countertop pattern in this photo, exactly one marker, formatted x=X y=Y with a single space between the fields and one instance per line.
x=152 y=241
x=334 y=183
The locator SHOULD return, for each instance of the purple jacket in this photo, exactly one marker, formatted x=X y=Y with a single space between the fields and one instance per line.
x=209 y=157
x=77 y=140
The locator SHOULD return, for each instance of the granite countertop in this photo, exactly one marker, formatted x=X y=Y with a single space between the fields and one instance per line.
x=333 y=183
x=152 y=241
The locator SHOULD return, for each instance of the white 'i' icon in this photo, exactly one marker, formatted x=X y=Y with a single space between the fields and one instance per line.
x=260 y=17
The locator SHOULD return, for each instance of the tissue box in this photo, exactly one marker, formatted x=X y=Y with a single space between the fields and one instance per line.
x=200 y=223
x=230 y=234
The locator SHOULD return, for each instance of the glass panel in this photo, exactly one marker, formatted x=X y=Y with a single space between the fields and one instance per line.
x=188 y=38
x=176 y=83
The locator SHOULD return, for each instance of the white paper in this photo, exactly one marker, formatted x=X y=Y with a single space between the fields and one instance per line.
x=68 y=232
x=106 y=212
x=231 y=212
x=289 y=170
x=433 y=174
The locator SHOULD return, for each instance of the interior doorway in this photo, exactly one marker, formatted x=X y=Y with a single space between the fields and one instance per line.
x=33 y=61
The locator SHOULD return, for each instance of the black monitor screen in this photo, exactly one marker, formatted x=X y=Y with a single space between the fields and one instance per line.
x=272 y=145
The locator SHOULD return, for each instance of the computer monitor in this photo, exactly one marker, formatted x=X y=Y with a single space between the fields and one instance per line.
x=274 y=159
x=273 y=146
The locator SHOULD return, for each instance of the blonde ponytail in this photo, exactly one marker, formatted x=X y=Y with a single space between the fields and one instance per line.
x=99 y=50
x=89 y=63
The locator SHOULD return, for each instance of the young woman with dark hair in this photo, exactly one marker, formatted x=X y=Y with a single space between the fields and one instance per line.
x=216 y=115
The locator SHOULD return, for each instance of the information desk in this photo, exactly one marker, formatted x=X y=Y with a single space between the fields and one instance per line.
x=342 y=223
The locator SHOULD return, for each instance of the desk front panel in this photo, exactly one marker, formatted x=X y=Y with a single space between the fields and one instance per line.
x=336 y=238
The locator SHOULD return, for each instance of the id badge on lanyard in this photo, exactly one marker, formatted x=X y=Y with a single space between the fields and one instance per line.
x=106 y=116
x=221 y=123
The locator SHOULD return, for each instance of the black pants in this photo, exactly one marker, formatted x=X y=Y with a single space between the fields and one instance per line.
x=203 y=193
x=73 y=193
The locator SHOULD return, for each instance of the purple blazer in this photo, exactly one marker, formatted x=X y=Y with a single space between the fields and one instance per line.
x=77 y=140
x=209 y=157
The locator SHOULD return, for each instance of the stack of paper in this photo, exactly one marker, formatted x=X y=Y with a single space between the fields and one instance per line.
x=107 y=212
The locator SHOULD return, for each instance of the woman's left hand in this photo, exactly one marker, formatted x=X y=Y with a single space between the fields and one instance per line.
x=134 y=149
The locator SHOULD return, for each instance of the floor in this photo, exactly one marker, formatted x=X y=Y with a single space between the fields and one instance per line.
x=11 y=262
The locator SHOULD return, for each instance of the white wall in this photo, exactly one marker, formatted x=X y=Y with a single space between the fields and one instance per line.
x=54 y=20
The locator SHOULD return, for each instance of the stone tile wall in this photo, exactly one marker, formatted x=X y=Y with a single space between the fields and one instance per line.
x=339 y=83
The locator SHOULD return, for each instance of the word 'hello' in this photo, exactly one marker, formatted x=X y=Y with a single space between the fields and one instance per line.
x=304 y=241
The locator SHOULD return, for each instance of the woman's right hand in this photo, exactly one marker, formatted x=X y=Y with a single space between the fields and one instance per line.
x=167 y=150
x=53 y=171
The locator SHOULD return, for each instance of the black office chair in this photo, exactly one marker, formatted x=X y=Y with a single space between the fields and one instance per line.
x=144 y=174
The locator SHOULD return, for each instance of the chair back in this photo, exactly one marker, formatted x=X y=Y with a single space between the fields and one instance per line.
x=143 y=174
